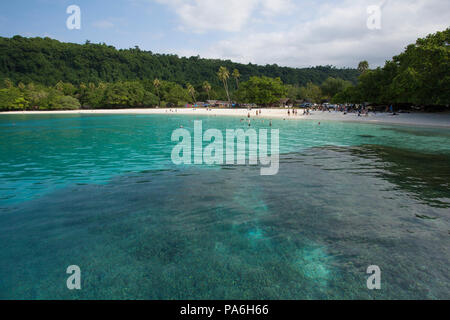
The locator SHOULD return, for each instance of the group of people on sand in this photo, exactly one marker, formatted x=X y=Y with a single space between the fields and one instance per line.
x=363 y=112
x=294 y=112
x=258 y=113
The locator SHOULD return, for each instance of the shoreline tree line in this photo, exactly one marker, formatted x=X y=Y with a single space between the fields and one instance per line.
x=418 y=76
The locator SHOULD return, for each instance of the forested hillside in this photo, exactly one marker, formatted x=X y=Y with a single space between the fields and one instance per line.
x=46 y=61
x=418 y=76
x=45 y=74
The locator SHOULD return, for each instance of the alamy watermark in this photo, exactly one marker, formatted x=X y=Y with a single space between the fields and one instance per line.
x=190 y=150
x=73 y=22
x=74 y=281
x=374 y=280
x=374 y=13
x=374 y=17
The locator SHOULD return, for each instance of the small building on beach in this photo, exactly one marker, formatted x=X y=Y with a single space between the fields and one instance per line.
x=218 y=104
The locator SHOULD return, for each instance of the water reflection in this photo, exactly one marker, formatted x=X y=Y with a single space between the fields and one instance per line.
x=424 y=175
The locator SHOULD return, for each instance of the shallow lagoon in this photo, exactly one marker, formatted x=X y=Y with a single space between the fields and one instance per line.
x=101 y=192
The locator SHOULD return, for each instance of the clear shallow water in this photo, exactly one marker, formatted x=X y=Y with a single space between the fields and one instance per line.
x=101 y=192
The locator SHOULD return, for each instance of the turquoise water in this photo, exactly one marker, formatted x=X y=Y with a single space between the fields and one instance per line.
x=101 y=192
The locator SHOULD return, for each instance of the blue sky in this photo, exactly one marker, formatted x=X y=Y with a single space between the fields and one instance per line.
x=295 y=33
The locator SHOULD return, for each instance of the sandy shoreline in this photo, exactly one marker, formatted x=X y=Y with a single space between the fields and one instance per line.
x=419 y=119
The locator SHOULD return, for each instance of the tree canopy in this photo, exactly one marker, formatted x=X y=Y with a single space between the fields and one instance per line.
x=45 y=74
x=261 y=90
x=47 y=61
x=420 y=76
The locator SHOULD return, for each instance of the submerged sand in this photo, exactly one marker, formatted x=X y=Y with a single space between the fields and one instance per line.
x=420 y=119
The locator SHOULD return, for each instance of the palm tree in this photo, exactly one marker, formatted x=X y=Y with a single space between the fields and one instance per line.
x=236 y=76
x=102 y=86
x=60 y=86
x=224 y=75
x=363 y=66
x=207 y=88
x=191 y=90
x=157 y=85
x=8 y=83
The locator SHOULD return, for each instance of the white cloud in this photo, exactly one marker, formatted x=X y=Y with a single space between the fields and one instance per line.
x=322 y=32
x=103 y=24
x=224 y=15
x=339 y=36
x=274 y=7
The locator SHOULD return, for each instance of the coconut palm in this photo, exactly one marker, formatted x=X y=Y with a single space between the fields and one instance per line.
x=224 y=75
x=207 y=88
x=157 y=85
x=363 y=66
x=191 y=91
x=236 y=76
x=60 y=86
x=8 y=83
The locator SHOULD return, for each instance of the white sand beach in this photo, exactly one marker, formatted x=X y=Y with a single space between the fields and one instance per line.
x=415 y=119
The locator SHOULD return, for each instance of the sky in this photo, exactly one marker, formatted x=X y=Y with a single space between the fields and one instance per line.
x=294 y=33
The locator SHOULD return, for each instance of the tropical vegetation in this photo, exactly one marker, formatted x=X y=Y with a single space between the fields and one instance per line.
x=45 y=74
